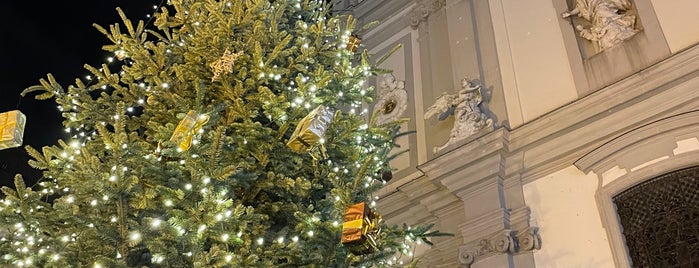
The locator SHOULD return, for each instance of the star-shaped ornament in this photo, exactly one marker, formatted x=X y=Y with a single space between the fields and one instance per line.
x=224 y=64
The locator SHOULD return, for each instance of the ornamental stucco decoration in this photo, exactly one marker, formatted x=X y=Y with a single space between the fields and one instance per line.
x=529 y=239
x=393 y=100
x=503 y=243
x=422 y=11
x=464 y=105
x=508 y=242
x=611 y=21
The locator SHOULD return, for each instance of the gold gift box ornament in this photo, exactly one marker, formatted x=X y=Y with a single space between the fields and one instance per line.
x=311 y=129
x=187 y=128
x=360 y=229
x=353 y=43
x=12 y=129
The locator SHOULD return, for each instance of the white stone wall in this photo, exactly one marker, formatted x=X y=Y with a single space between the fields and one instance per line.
x=563 y=206
x=535 y=71
x=679 y=21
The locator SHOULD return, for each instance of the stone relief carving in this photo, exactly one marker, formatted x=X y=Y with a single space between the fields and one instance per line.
x=611 y=21
x=422 y=11
x=393 y=99
x=508 y=242
x=468 y=117
x=503 y=243
x=529 y=239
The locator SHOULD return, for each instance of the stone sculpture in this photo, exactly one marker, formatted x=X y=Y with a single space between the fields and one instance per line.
x=611 y=21
x=468 y=118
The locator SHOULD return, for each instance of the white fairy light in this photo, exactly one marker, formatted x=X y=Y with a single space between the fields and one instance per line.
x=135 y=236
x=155 y=223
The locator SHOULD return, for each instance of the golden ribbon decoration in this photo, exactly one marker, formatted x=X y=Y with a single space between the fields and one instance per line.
x=187 y=128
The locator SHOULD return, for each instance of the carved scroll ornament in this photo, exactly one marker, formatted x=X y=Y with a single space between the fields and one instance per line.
x=422 y=11
x=508 y=242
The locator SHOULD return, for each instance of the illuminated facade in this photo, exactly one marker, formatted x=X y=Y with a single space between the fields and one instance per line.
x=586 y=105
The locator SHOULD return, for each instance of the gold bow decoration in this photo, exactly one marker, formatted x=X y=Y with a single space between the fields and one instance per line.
x=187 y=128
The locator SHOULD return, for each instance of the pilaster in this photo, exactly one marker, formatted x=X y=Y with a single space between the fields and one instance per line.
x=496 y=227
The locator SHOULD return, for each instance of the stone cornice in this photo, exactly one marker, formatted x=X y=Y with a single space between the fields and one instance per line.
x=472 y=151
x=599 y=159
x=564 y=135
x=485 y=225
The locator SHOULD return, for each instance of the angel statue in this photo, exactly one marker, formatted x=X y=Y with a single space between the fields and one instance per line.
x=611 y=21
x=464 y=106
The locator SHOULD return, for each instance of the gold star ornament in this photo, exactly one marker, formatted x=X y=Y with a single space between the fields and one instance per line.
x=224 y=64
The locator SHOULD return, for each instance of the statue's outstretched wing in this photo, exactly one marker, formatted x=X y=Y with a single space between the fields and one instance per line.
x=441 y=106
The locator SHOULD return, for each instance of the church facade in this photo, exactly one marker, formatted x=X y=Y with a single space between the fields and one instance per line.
x=548 y=133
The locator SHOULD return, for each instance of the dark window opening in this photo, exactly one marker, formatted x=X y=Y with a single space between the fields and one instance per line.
x=660 y=220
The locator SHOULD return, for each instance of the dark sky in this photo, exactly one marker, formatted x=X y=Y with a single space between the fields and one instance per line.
x=40 y=37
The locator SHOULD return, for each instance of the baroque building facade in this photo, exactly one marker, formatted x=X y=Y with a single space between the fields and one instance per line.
x=548 y=133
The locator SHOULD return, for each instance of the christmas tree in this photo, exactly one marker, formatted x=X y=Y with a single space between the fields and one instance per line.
x=230 y=134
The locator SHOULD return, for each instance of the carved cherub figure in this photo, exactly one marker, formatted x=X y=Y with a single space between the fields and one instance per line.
x=468 y=118
x=611 y=21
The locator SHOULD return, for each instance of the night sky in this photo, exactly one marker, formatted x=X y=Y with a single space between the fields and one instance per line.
x=40 y=37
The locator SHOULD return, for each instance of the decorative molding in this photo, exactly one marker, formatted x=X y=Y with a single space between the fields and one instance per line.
x=660 y=136
x=393 y=100
x=422 y=11
x=501 y=243
x=528 y=239
x=616 y=152
x=541 y=147
x=508 y=242
x=607 y=208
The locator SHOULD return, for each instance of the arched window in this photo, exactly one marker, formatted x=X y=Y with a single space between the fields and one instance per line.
x=660 y=220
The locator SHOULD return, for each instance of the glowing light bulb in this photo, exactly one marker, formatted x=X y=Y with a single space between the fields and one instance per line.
x=156 y=223
x=135 y=236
